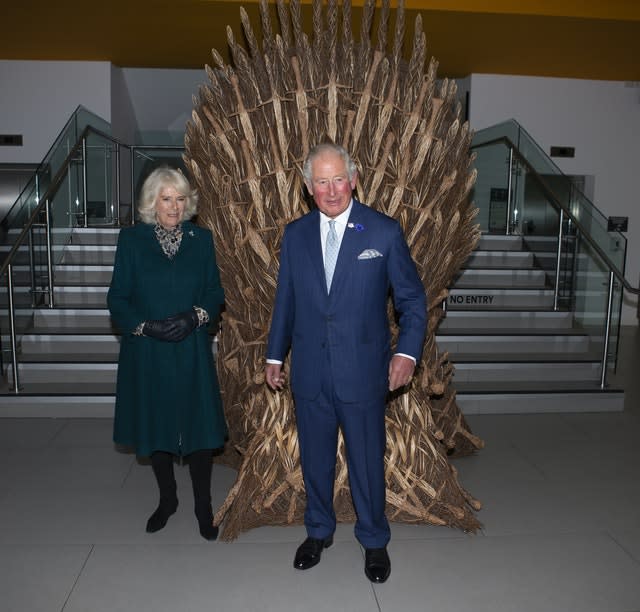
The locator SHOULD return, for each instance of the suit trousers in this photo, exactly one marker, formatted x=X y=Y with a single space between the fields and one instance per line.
x=363 y=429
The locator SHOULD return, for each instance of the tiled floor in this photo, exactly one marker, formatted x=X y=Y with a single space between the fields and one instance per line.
x=561 y=517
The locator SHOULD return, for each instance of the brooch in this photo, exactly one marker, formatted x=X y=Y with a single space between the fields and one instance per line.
x=357 y=226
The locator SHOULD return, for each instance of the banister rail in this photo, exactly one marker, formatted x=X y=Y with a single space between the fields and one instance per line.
x=556 y=201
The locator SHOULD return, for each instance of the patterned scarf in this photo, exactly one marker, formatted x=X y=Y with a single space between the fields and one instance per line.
x=169 y=239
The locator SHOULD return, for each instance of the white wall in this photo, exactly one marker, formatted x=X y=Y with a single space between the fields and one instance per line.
x=601 y=119
x=124 y=124
x=162 y=100
x=37 y=99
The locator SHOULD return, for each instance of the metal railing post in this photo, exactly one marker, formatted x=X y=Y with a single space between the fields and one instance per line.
x=117 y=184
x=107 y=176
x=556 y=288
x=84 y=182
x=47 y=209
x=131 y=215
x=607 y=332
x=12 y=330
x=509 y=179
x=32 y=267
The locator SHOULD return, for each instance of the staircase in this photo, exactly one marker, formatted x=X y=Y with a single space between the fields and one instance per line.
x=512 y=352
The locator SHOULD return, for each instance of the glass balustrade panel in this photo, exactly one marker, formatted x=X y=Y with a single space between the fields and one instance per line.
x=491 y=189
x=101 y=181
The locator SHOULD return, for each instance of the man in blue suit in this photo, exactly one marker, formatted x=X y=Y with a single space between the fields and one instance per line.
x=338 y=266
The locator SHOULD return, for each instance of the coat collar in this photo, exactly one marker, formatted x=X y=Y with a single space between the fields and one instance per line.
x=187 y=243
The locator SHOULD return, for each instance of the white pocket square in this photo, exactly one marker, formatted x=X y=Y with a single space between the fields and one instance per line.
x=369 y=254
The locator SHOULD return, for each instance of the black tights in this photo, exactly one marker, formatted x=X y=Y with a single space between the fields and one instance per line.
x=200 y=467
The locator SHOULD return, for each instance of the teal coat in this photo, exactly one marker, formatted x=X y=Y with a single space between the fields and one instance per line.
x=168 y=397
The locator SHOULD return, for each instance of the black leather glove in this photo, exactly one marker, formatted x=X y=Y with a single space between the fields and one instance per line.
x=182 y=324
x=160 y=329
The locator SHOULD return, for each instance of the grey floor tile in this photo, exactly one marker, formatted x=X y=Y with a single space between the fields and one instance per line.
x=539 y=508
x=64 y=469
x=584 y=461
x=93 y=433
x=629 y=540
x=225 y=577
x=509 y=429
x=29 y=433
x=405 y=531
x=87 y=517
x=511 y=574
x=614 y=429
x=38 y=578
x=291 y=535
x=504 y=463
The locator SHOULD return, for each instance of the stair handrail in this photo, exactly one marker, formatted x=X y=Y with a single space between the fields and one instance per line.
x=561 y=207
x=44 y=205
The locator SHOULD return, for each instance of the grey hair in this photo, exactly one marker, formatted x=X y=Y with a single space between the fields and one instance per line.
x=161 y=177
x=328 y=147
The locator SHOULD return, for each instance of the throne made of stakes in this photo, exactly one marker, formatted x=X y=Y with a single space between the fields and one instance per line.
x=251 y=128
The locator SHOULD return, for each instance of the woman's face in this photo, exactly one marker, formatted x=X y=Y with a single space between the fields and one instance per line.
x=170 y=207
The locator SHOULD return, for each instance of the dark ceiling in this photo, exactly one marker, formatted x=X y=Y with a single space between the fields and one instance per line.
x=592 y=39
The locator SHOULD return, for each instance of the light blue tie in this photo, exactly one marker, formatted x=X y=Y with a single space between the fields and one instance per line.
x=330 y=252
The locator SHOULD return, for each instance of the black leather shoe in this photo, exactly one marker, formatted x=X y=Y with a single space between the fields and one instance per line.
x=309 y=552
x=377 y=565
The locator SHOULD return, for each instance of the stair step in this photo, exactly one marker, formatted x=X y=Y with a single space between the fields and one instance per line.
x=500 y=259
x=91 y=236
x=39 y=403
x=540 y=402
x=488 y=277
x=540 y=345
x=87 y=275
x=96 y=320
x=79 y=254
x=38 y=346
x=36 y=402
x=490 y=373
x=64 y=377
x=69 y=254
x=486 y=320
x=499 y=242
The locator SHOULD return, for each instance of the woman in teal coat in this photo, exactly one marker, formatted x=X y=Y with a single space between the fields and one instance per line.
x=164 y=295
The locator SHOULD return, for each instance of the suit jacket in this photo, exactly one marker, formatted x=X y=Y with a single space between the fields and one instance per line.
x=349 y=323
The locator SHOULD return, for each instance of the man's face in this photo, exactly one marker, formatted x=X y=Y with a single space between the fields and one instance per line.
x=330 y=185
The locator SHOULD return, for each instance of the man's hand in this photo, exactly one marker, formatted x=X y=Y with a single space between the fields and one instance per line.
x=400 y=371
x=274 y=376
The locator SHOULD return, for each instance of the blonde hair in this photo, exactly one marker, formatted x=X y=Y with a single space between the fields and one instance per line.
x=155 y=182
